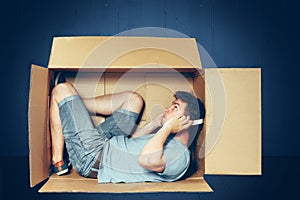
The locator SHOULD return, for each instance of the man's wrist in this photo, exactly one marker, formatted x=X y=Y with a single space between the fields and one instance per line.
x=167 y=128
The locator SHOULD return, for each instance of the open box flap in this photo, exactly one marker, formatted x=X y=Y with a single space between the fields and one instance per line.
x=124 y=53
x=38 y=124
x=233 y=121
x=76 y=183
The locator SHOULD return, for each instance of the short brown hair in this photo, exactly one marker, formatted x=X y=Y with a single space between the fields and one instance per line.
x=195 y=107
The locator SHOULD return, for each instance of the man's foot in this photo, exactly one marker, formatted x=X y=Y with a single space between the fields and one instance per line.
x=61 y=167
x=59 y=78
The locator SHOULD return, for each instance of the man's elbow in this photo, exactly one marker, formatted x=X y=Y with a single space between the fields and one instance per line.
x=152 y=164
x=144 y=161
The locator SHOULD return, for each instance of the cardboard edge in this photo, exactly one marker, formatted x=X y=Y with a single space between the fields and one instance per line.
x=196 y=62
x=258 y=170
x=35 y=176
x=187 y=68
x=75 y=185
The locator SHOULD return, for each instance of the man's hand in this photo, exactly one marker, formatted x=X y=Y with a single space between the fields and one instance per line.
x=178 y=123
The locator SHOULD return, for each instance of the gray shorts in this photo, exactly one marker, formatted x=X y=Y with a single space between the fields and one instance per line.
x=84 y=141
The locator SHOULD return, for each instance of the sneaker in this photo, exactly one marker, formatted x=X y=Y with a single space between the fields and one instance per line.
x=59 y=78
x=61 y=167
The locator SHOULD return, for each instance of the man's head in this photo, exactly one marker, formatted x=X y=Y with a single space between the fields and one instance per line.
x=195 y=108
x=185 y=104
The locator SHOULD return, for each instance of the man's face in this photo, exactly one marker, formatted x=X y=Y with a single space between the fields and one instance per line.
x=177 y=107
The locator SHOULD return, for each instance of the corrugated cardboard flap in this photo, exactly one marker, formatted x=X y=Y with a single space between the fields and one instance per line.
x=38 y=125
x=233 y=121
x=124 y=53
x=75 y=183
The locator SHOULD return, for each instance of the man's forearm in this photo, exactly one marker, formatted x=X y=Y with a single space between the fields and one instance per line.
x=151 y=156
x=145 y=130
x=157 y=142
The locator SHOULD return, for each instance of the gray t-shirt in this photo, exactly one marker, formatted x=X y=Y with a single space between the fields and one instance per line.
x=120 y=161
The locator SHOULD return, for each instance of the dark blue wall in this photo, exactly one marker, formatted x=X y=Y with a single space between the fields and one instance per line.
x=235 y=33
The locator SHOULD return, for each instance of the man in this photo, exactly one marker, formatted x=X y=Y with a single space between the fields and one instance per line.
x=116 y=151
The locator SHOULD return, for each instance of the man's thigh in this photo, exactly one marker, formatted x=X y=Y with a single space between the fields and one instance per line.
x=83 y=141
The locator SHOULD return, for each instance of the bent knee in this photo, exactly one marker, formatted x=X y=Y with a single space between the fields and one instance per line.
x=136 y=98
x=62 y=91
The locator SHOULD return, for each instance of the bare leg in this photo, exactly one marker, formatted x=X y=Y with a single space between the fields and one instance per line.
x=107 y=104
x=58 y=93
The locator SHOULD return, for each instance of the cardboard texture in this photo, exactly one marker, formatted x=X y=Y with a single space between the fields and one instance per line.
x=123 y=53
x=150 y=67
x=37 y=124
x=76 y=183
x=237 y=150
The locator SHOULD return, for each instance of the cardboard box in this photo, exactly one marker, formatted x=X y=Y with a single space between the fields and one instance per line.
x=230 y=142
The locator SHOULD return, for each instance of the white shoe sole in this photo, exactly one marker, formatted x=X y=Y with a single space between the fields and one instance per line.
x=62 y=172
